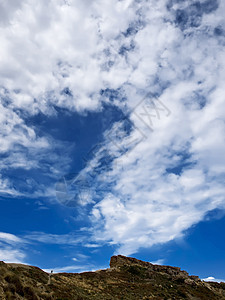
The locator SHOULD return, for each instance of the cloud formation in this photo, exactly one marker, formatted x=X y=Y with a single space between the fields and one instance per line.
x=213 y=279
x=11 y=248
x=78 y=54
x=171 y=179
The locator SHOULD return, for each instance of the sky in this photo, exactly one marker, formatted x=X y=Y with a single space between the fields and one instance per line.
x=112 y=134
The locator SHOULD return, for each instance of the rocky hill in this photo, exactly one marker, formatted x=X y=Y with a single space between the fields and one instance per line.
x=127 y=278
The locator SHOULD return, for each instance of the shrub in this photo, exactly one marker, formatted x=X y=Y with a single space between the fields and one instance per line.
x=29 y=293
x=11 y=288
x=14 y=281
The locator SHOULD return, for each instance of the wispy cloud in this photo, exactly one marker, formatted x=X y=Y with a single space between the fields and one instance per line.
x=10 y=238
x=57 y=239
x=76 y=268
x=11 y=248
x=11 y=255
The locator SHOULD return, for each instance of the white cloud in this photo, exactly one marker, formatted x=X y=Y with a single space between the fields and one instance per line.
x=56 y=47
x=59 y=46
x=85 y=46
x=10 y=255
x=10 y=238
x=158 y=262
x=148 y=203
x=68 y=239
x=11 y=248
x=212 y=279
x=75 y=269
x=6 y=188
x=151 y=205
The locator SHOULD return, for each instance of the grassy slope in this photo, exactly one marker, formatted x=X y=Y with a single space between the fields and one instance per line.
x=127 y=280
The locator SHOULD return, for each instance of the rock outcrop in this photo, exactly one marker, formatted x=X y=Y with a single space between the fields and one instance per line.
x=119 y=260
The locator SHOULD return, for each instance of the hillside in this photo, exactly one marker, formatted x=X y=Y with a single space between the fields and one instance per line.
x=127 y=278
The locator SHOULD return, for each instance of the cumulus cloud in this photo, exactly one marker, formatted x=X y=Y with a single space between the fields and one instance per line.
x=213 y=279
x=48 y=58
x=166 y=168
x=49 y=55
x=174 y=176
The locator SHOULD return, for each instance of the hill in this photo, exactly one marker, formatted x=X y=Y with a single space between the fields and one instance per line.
x=127 y=278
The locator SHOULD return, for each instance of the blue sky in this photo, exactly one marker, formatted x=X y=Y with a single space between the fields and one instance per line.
x=112 y=133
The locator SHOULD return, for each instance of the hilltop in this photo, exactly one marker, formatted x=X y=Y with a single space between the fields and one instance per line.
x=127 y=278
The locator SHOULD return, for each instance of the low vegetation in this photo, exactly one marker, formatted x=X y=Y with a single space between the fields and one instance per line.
x=126 y=279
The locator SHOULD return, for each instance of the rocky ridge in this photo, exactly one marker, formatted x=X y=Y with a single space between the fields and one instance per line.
x=127 y=278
